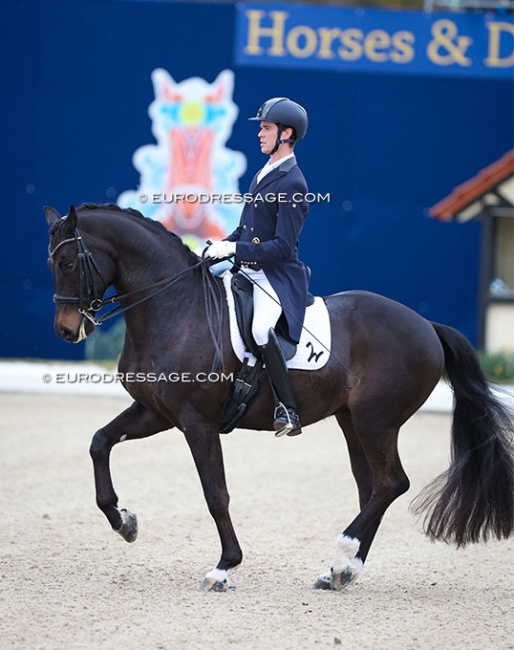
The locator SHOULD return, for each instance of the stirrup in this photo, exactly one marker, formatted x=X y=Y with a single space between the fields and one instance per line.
x=286 y=421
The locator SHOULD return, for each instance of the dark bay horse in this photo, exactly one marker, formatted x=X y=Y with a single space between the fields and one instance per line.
x=385 y=362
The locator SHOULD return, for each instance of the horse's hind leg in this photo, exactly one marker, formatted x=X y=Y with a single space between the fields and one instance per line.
x=378 y=488
x=359 y=463
x=135 y=422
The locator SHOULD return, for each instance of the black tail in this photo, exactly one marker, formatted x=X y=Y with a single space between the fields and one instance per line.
x=474 y=498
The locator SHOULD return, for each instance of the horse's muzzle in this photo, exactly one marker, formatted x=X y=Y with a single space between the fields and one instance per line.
x=75 y=334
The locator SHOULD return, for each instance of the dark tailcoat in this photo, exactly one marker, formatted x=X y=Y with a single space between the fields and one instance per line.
x=268 y=234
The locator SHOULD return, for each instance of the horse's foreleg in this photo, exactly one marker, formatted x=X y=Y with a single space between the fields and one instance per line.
x=135 y=422
x=389 y=481
x=208 y=457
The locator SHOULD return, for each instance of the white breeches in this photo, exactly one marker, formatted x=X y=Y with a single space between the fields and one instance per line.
x=266 y=306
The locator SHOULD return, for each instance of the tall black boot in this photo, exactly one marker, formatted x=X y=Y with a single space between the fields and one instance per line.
x=286 y=420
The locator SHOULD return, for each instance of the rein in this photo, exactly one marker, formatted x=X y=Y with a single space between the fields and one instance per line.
x=97 y=303
x=89 y=304
x=88 y=301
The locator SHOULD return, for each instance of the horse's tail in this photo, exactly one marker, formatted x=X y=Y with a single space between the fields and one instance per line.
x=474 y=498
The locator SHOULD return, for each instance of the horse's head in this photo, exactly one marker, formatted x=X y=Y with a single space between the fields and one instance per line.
x=80 y=277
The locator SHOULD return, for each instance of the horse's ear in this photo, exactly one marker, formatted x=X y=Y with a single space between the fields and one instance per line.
x=70 y=223
x=51 y=215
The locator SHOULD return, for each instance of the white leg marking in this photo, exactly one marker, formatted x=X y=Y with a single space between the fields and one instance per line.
x=219 y=575
x=346 y=566
x=125 y=517
x=346 y=550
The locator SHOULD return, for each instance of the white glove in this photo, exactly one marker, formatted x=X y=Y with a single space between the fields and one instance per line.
x=220 y=250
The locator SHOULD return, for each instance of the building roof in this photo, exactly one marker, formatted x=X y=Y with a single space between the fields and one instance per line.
x=472 y=193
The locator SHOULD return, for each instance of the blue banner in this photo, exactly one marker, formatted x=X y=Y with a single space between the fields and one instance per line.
x=345 y=40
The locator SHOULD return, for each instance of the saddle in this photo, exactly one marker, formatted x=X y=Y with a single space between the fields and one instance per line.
x=246 y=385
x=242 y=288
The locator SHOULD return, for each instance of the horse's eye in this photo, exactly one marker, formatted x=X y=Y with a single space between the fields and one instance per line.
x=66 y=265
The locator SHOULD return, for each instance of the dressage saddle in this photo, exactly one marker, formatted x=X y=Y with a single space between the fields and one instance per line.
x=243 y=289
x=246 y=384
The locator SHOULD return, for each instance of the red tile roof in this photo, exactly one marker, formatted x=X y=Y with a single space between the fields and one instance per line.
x=467 y=193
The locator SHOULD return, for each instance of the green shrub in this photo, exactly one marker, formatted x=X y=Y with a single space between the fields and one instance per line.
x=106 y=345
x=498 y=366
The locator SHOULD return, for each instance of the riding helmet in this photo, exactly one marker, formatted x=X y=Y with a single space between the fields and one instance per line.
x=285 y=112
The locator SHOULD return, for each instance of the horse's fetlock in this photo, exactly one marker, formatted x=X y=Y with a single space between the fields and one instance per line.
x=106 y=503
x=234 y=559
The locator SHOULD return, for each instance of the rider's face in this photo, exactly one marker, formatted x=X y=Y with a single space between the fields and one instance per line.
x=268 y=136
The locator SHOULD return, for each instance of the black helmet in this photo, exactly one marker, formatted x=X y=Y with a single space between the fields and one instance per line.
x=284 y=112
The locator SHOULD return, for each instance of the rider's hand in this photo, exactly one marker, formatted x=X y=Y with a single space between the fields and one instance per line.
x=220 y=250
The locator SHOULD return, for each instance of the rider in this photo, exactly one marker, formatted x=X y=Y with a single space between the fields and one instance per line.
x=265 y=248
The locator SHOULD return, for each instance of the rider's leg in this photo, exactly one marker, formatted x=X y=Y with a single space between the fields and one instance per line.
x=267 y=311
x=266 y=307
x=286 y=418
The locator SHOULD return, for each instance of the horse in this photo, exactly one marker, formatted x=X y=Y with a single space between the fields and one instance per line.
x=385 y=361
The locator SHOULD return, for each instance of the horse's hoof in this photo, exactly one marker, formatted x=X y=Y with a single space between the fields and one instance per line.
x=214 y=585
x=217 y=581
x=128 y=528
x=344 y=578
x=336 y=581
x=324 y=581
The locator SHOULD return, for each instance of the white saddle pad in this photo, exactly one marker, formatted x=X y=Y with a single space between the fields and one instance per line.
x=313 y=350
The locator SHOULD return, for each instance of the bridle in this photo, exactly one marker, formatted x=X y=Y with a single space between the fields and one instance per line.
x=90 y=299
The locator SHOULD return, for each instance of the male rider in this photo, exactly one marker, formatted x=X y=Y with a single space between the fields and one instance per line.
x=265 y=245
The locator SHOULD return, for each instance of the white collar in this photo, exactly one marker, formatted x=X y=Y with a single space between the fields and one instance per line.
x=268 y=167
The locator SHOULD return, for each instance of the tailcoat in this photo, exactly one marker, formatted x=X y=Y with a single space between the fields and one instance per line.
x=267 y=237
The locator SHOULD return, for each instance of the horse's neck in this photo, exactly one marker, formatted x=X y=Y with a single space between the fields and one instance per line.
x=144 y=255
x=143 y=267
x=143 y=258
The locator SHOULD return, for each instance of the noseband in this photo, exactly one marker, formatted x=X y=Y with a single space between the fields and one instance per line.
x=89 y=298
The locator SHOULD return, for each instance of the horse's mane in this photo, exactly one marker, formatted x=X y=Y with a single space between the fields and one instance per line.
x=151 y=224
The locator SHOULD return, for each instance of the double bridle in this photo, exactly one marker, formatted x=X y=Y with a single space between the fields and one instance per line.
x=90 y=300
